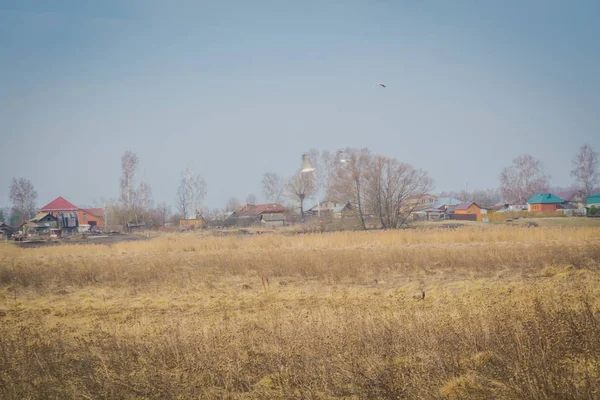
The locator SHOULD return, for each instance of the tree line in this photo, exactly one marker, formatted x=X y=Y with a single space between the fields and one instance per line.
x=135 y=204
x=375 y=186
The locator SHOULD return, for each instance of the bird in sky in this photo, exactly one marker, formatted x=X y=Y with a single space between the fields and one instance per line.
x=379 y=84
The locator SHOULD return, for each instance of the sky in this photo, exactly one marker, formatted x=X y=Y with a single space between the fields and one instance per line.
x=238 y=88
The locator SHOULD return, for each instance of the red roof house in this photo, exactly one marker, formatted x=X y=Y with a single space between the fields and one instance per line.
x=59 y=204
x=86 y=216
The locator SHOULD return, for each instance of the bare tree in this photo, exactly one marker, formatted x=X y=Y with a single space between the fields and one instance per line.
x=323 y=162
x=350 y=182
x=251 y=199
x=164 y=212
x=483 y=197
x=23 y=197
x=144 y=195
x=232 y=204
x=190 y=194
x=273 y=187
x=174 y=218
x=142 y=204
x=299 y=187
x=394 y=190
x=585 y=169
x=212 y=214
x=129 y=162
x=183 y=199
x=522 y=179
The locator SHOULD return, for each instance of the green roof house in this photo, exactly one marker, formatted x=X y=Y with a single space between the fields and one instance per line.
x=544 y=202
x=593 y=206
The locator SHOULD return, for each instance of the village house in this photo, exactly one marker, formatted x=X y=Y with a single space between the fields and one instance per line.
x=272 y=220
x=544 y=202
x=250 y=214
x=326 y=207
x=192 y=223
x=469 y=208
x=6 y=231
x=572 y=198
x=42 y=224
x=87 y=217
x=592 y=207
x=423 y=201
x=195 y=223
x=415 y=205
x=258 y=210
x=440 y=209
x=342 y=211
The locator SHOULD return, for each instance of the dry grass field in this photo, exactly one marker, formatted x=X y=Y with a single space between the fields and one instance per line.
x=508 y=312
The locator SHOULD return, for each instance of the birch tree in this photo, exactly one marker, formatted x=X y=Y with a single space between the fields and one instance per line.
x=522 y=179
x=323 y=162
x=23 y=197
x=585 y=169
x=190 y=193
x=232 y=204
x=273 y=187
x=129 y=163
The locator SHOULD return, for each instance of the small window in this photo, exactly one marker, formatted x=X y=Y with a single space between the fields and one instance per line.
x=84 y=216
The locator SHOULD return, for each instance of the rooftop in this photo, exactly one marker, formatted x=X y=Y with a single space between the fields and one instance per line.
x=465 y=205
x=544 y=198
x=446 y=201
x=567 y=195
x=251 y=209
x=593 y=199
x=96 y=212
x=341 y=208
x=59 y=204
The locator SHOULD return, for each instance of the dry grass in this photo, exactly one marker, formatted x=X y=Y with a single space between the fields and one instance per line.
x=508 y=313
x=502 y=216
x=560 y=222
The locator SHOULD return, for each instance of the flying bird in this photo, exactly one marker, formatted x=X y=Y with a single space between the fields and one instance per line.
x=379 y=84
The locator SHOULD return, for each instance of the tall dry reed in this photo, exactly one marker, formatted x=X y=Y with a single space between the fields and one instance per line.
x=508 y=313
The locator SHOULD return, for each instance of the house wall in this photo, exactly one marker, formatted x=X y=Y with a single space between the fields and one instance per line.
x=427 y=199
x=83 y=217
x=473 y=209
x=328 y=205
x=343 y=214
x=86 y=218
x=273 y=223
x=543 y=207
x=274 y=215
x=190 y=223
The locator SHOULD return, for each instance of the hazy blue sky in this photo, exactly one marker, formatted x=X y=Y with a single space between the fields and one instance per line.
x=239 y=88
